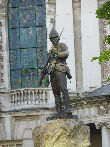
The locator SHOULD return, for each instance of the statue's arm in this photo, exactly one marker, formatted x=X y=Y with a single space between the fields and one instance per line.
x=63 y=54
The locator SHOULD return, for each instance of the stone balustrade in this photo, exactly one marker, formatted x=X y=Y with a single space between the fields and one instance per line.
x=33 y=97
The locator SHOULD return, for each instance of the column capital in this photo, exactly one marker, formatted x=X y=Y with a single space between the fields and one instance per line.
x=102 y=124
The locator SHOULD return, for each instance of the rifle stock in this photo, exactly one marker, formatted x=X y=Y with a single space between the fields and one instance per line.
x=43 y=72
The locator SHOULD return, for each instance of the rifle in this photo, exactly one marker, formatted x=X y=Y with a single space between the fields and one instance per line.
x=43 y=72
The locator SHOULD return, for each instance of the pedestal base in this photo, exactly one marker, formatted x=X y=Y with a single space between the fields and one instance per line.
x=62 y=116
x=61 y=133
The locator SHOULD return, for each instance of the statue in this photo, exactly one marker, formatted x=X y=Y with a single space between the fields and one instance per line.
x=58 y=70
x=63 y=128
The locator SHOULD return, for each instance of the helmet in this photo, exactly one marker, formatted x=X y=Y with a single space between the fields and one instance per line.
x=53 y=34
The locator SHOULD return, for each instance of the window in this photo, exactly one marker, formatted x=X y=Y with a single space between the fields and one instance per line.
x=27 y=41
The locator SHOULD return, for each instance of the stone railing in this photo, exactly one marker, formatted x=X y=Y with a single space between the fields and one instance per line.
x=34 y=97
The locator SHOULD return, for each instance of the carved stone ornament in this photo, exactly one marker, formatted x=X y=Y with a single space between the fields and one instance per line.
x=61 y=133
x=106 y=64
x=1 y=58
x=102 y=110
x=102 y=124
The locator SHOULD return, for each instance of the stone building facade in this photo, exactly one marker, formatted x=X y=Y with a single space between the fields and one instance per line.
x=23 y=108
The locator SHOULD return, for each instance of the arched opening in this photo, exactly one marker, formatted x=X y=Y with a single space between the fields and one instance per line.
x=27 y=41
x=95 y=136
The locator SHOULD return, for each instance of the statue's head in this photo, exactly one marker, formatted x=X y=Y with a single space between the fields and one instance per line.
x=54 y=36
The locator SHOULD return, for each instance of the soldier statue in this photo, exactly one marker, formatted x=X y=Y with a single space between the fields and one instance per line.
x=58 y=71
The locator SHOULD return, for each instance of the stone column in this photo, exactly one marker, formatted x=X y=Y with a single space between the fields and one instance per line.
x=90 y=44
x=105 y=137
x=78 y=44
x=4 y=49
x=7 y=124
x=64 y=19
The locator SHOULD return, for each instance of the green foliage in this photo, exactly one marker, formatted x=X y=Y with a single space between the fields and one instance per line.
x=104 y=56
x=104 y=12
x=107 y=39
x=108 y=79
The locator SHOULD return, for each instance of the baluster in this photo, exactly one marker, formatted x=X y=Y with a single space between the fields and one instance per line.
x=43 y=96
x=29 y=98
x=25 y=97
x=22 y=98
x=16 y=99
x=11 y=99
x=46 y=96
x=33 y=97
x=38 y=94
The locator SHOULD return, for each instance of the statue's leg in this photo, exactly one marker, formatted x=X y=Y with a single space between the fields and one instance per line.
x=62 y=84
x=57 y=93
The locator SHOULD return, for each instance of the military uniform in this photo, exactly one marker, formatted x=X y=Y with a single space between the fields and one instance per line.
x=58 y=71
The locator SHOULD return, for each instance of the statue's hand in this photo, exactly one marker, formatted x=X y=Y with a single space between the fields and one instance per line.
x=54 y=50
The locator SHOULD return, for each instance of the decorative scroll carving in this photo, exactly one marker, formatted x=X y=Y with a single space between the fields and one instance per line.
x=106 y=64
x=102 y=124
x=102 y=110
x=1 y=58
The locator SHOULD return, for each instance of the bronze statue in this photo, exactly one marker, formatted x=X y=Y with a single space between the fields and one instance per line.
x=58 y=71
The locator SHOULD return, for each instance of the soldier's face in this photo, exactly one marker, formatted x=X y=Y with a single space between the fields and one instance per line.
x=54 y=40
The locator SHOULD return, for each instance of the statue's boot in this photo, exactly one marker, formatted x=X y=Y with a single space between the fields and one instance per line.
x=66 y=101
x=58 y=104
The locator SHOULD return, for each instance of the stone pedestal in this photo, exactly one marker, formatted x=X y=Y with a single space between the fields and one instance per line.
x=61 y=133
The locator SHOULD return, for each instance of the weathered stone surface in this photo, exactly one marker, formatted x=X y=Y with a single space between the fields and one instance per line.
x=61 y=133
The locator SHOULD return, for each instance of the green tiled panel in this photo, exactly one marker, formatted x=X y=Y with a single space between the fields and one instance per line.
x=40 y=16
x=13 y=18
x=27 y=41
x=14 y=41
x=28 y=37
x=41 y=37
x=27 y=16
x=29 y=78
x=29 y=58
x=15 y=79
x=13 y=3
x=42 y=56
x=15 y=59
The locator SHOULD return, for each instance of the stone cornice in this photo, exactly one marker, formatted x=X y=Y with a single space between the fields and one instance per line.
x=82 y=102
